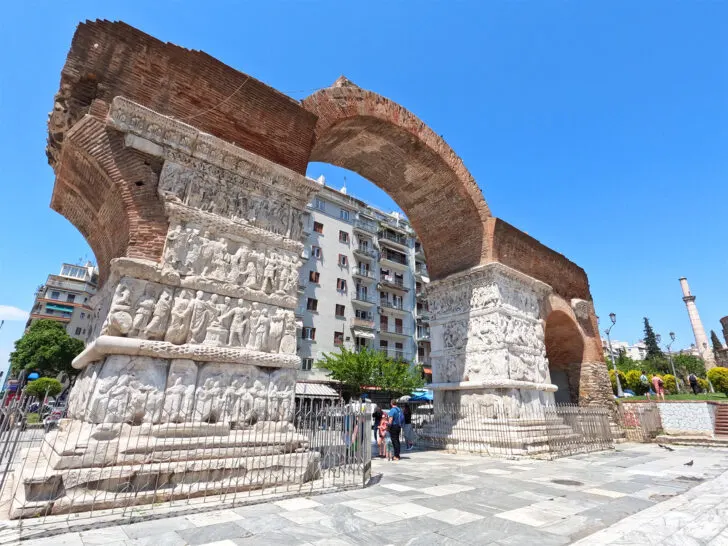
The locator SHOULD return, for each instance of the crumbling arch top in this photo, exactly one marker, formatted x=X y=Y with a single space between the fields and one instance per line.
x=371 y=135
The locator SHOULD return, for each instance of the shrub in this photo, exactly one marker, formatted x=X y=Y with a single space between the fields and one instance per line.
x=719 y=378
x=634 y=383
x=622 y=380
x=703 y=384
x=45 y=386
x=670 y=384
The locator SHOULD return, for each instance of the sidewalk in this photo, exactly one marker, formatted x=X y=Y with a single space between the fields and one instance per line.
x=618 y=497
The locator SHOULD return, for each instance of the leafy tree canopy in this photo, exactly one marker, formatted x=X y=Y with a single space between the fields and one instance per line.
x=46 y=348
x=45 y=386
x=367 y=368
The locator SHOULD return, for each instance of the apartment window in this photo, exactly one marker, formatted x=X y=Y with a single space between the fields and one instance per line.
x=319 y=204
x=83 y=315
x=344 y=214
x=318 y=227
x=49 y=311
x=363 y=315
x=340 y=310
x=55 y=295
x=343 y=237
x=316 y=252
x=78 y=332
x=83 y=332
x=306 y=364
x=314 y=276
x=343 y=260
x=338 y=338
x=383 y=344
x=312 y=304
x=308 y=333
x=341 y=285
x=71 y=298
x=361 y=342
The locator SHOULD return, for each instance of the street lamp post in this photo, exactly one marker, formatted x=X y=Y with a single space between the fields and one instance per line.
x=672 y=365
x=613 y=318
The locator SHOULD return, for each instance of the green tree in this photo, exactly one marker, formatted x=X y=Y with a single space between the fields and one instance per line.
x=719 y=378
x=686 y=364
x=653 y=349
x=45 y=386
x=717 y=345
x=367 y=368
x=45 y=348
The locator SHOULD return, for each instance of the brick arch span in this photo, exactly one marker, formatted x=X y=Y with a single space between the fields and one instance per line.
x=373 y=136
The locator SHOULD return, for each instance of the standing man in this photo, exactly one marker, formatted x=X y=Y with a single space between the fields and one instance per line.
x=646 y=384
x=409 y=438
x=396 y=420
x=694 y=383
x=377 y=418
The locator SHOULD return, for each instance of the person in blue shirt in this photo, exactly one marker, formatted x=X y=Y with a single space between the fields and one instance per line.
x=396 y=420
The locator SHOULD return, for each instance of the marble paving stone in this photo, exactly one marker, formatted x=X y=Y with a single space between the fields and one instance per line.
x=409 y=510
x=263 y=509
x=453 y=516
x=145 y=529
x=402 y=532
x=364 y=505
x=226 y=542
x=170 y=538
x=334 y=541
x=378 y=516
x=212 y=533
x=397 y=487
x=270 y=538
x=431 y=539
x=572 y=525
x=530 y=495
x=65 y=539
x=264 y=523
x=531 y=516
x=605 y=492
x=297 y=504
x=617 y=509
x=440 y=490
x=104 y=535
x=210 y=518
x=304 y=516
x=496 y=471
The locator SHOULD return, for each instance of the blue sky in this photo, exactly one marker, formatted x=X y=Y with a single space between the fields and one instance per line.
x=600 y=128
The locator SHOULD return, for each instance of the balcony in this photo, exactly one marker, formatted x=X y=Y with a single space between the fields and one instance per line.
x=419 y=251
x=367 y=226
x=390 y=304
x=398 y=241
x=394 y=258
x=365 y=251
x=395 y=330
x=422 y=314
x=367 y=324
x=422 y=334
x=364 y=298
x=393 y=282
x=421 y=270
x=363 y=273
x=396 y=354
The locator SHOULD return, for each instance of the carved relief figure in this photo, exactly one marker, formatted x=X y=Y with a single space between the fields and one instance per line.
x=239 y=325
x=119 y=319
x=157 y=326
x=180 y=320
x=200 y=318
x=277 y=323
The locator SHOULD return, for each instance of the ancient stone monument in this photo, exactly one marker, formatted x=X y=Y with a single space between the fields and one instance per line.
x=187 y=178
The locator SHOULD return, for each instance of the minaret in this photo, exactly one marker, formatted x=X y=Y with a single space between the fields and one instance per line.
x=701 y=340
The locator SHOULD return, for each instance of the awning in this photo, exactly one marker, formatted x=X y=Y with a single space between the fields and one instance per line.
x=62 y=308
x=427 y=370
x=315 y=389
x=364 y=334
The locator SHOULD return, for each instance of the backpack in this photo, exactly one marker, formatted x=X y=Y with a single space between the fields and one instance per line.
x=397 y=416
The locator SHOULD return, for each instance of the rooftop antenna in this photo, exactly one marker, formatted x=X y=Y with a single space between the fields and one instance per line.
x=343 y=189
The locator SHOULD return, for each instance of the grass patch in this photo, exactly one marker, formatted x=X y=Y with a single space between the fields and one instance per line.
x=32 y=418
x=718 y=396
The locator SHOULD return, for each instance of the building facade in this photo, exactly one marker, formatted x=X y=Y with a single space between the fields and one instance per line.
x=638 y=351
x=65 y=298
x=361 y=284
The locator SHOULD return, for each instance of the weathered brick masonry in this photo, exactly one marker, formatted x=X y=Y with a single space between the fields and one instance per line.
x=110 y=192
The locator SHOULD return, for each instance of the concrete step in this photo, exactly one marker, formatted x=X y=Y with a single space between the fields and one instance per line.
x=702 y=441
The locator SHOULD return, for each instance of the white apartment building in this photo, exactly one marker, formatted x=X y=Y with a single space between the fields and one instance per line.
x=64 y=297
x=361 y=284
x=638 y=351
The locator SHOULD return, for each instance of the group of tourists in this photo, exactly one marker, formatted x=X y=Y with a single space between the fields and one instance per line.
x=388 y=428
x=658 y=385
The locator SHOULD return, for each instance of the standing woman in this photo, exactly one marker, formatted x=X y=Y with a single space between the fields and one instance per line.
x=381 y=432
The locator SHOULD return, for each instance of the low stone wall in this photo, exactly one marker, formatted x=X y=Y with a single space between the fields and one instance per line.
x=687 y=418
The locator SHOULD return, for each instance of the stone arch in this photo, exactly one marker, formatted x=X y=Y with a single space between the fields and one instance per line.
x=565 y=352
x=371 y=135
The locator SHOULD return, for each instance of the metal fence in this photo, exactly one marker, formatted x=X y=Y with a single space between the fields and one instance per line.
x=640 y=421
x=179 y=458
x=530 y=431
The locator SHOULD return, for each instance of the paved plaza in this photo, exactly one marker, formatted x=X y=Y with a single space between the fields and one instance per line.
x=637 y=494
